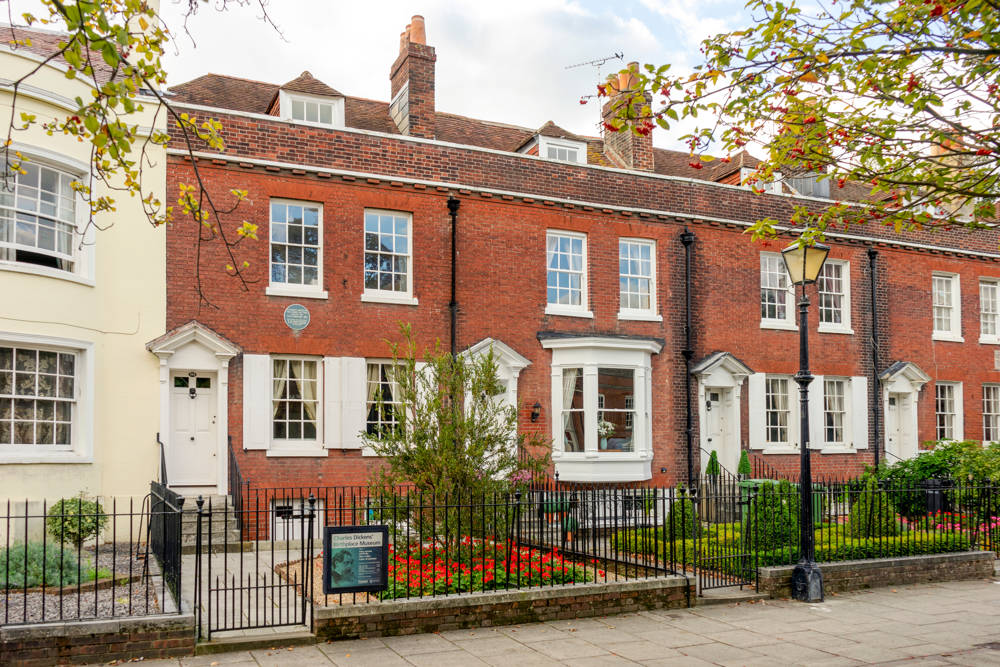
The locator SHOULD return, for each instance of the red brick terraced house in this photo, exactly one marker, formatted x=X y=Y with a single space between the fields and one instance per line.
x=614 y=282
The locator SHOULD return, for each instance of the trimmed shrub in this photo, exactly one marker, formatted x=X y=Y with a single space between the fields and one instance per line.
x=680 y=517
x=75 y=520
x=772 y=519
x=712 y=468
x=35 y=564
x=744 y=469
x=872 y=514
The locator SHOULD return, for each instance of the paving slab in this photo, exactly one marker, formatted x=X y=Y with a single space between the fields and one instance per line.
x=381 y=657
x=568 y=648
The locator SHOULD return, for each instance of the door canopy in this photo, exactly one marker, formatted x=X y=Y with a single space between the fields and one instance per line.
x=903 y=377
x=721 y=369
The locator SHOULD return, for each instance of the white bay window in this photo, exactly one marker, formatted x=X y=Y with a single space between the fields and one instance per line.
x=594 y=441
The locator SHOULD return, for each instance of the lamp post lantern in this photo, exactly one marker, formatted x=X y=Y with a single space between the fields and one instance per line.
x=804 y=263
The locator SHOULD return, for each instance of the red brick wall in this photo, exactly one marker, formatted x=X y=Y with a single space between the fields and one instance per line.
x=501 y=281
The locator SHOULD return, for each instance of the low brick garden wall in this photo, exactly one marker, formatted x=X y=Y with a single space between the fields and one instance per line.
x=502 y=608
x=853 y=575
x=97 y=641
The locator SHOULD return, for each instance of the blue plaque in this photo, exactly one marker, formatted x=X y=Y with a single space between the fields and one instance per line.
x=297 y=317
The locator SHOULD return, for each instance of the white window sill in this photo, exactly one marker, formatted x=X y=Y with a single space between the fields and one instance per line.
x=639 y=316
x=603 y=468
x=780 y=325
x=297 y=293
x=47 y=272
x=397 y=299
x=16 y=458
x=989 y=340
x=835 y=329
x=368 y=451
x=784 y=449
x=837 y=449
x=947 y=337
x=315 y=451
x=564 y=311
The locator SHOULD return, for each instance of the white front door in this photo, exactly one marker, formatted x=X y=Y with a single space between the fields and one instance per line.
x=718 y=428
x=900 y=433
x=191 y=452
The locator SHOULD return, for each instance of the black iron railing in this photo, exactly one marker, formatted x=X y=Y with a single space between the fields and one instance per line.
x=80 y=559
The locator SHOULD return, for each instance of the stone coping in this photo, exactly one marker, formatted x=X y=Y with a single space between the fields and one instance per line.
x=881 y=563
x=158 y=623
x=460 y=600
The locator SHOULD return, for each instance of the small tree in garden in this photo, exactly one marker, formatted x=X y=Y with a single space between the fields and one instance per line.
x=75 y=520
x=872 y=514
x=451 y=435
x=743 y=469
x=680 y=520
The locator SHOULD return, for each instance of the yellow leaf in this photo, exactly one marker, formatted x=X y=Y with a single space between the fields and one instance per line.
x=707 y=158
x=822 y=58
x=973 y=34
x=809 y=77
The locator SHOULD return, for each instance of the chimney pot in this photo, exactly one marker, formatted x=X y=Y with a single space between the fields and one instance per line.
x=418 y=32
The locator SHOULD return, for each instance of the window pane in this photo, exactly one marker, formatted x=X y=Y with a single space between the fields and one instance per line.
x=615 y=417
x=44 y=381
x=387 y=259
x=295 y=244
x=565 y=261
x=573 y=412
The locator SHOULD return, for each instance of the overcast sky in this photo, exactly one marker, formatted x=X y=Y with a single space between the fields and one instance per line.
x=504 y=61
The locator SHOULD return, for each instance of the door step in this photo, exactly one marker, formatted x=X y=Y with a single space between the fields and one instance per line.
x=730 y=595
x=264 y=638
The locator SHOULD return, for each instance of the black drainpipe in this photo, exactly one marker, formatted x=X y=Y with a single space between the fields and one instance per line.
x=687 y=238
x=876 y=404
x=453 y=204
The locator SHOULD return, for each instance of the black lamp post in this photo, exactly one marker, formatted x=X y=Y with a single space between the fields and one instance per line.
x=804 y=262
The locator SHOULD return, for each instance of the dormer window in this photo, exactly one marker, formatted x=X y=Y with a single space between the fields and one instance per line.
x=562 y=150
x=300 y=108
x=748 y=180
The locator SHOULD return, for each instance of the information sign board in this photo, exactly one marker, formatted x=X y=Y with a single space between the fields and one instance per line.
x=355 y=559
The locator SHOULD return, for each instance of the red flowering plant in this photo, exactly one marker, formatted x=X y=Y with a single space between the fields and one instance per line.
x=419 y=569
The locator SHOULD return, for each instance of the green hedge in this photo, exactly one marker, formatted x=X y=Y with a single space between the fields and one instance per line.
x=37 y=564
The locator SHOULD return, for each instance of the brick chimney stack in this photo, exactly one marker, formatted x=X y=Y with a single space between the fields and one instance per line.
x=412 y=78
x=635 y=151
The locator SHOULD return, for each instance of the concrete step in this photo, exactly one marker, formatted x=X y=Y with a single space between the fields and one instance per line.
x=250 y=640
x=729 y=595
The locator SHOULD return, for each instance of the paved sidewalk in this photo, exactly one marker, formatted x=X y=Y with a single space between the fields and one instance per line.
x=953 y=623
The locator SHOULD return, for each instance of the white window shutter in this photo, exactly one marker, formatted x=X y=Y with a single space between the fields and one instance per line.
x=817 y=401
x=959 y=408
x=256 y=401
x=332 y=403
x=354 y=395
x=755 y=421
x=859 y=412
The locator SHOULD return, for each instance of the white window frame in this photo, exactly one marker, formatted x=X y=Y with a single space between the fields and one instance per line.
x=83 y=245
x=991 y=411
x=368 y=406
x=845 y=424
x=569 y=310
x=81 y=449
x=957 y=414
x=844 y=326
x=291 y=289
x=987 y=285
x=786 y=323
x=954 y=332
x=792 y=421
x=648 y=314
x=287 y=98
x=578 y=148
x=390 y=296
x=772 y=187
x=591 y=354
x=299 y=446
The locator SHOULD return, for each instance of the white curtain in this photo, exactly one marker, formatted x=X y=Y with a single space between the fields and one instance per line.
x=374 y=382
x=569 y=388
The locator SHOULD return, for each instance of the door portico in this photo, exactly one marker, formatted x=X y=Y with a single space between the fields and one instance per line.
x=901 y=384
x=720 y=381
x=194 y=417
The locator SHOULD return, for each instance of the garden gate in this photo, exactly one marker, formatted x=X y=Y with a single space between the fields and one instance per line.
x=725 y=558
x=254 y=563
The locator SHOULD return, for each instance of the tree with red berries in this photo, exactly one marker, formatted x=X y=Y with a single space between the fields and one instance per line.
x=898 y=101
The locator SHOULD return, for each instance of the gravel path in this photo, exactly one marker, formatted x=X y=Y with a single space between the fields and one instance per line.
x=135 y=596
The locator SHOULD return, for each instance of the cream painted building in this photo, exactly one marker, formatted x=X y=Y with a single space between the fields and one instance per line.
x=79 y=392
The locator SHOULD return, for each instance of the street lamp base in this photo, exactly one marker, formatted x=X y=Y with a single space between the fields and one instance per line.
x=807 y=582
